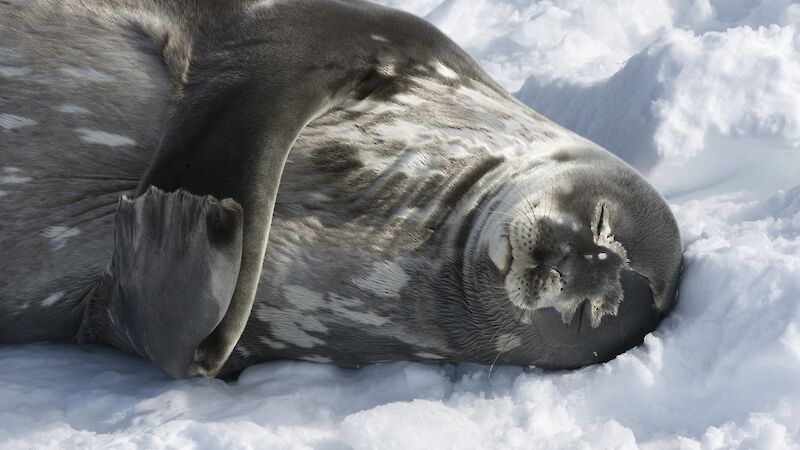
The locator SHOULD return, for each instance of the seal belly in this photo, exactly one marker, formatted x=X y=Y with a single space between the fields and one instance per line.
x=80 y=109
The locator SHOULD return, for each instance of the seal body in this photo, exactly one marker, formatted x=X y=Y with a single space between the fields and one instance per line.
x=422 y=212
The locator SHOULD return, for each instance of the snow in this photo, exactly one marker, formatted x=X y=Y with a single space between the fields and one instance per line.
x=703 y=96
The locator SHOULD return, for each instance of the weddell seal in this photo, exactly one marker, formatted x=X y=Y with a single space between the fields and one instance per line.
x=149 y=151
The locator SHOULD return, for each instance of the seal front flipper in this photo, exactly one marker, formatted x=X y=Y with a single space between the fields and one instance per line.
x=245 y=100
x=173 y=272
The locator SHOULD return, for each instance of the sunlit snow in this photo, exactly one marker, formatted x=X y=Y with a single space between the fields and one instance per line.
x=703 y=96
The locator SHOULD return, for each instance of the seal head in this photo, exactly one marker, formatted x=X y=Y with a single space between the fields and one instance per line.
x=584 y=254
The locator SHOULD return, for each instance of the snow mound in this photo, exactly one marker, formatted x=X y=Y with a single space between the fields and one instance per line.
x=668 y=99
x=702 y=96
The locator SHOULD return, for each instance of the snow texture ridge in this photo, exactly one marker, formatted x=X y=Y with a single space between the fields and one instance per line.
x=703 y=97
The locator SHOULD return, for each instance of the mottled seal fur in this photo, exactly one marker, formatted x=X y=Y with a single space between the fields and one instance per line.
x=413 y=209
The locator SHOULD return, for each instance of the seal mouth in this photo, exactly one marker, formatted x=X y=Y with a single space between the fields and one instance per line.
x=534 y=287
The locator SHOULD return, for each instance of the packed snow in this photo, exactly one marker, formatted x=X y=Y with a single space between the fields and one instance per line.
x=702 y=96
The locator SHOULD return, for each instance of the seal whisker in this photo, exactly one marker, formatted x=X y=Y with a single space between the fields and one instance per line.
x=503 y=213
x=508 y=339
x=530 y=205
x=517 y=208
x=500 y=327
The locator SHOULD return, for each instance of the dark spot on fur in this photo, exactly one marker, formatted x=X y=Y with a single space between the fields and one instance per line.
x=549 y=134
x=426 y=190
x=336 y=159
x=459 y=187
x=372 y=82
x=560 y=156
x=464 y=230
x=224 y=224
x=380 y=86
x=395 y=182
x=465 y=182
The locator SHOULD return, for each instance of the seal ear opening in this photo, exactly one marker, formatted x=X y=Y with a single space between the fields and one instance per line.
x=171 y=279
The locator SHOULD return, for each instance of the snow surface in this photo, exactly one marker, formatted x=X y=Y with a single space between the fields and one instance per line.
x=701 y=95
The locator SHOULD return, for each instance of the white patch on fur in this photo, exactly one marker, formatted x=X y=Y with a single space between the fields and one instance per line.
x=375 y=161
x=445 y=71
x=456 y=149
x=317 y=359
x=385 y=280
x=272 y=344
x=59 y=235
x=378 y=37
x=242 y=350
x=262 y=4
x=292 y=326
x=319 y=197
x=342 y=307
x=103 y=138
x=409 y=99
x=426 y=355
x=417 y=163
x=52 y=299
x=412 y=134
x=69 y=108
x=506 y=342
x=387 y=69
x=303 y=298
x=11 y=121
x=11 y=175
x=368 y=106
x=12 y=72
x=498 y=244
x=87 y=74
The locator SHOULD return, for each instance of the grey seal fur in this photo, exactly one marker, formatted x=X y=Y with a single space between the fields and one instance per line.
x=413 y=209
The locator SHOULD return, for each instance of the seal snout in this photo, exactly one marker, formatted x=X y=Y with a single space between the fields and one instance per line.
x=537 y=252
